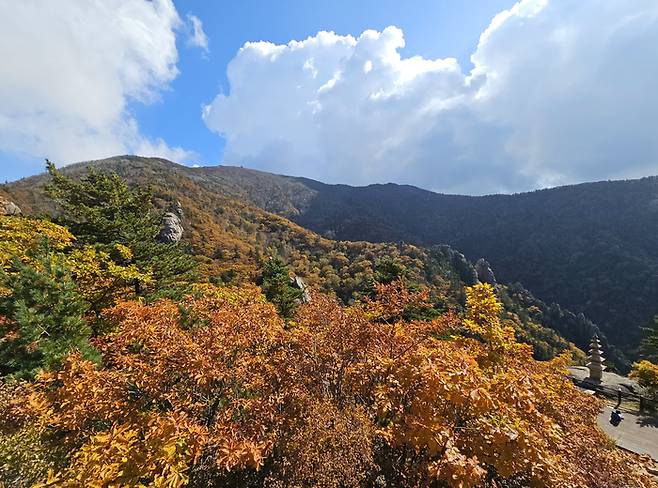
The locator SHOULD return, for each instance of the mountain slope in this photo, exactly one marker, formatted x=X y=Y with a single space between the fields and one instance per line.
x=591 y=247
x=231 y=228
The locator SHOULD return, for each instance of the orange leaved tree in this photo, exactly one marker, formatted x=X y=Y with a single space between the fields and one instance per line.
x=217 y=391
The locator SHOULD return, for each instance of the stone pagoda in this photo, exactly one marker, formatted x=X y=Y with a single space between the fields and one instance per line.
x=595 y=364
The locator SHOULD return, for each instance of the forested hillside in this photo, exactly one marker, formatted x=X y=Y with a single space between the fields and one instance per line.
x=592 y=248
x=131 y=357
x=231 y=234
x=232 y=239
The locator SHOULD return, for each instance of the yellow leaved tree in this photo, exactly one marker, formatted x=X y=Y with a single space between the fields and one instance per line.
x=216 y=390
x=646 y=374
x=19 y=237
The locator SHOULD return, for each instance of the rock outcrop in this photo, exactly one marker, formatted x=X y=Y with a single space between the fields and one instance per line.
x=300 y=284
x=457 y=261
x=484 y=271
x=9 y=208
x=171 y=230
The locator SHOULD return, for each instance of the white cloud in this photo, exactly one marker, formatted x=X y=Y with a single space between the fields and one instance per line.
x=69 y=69
x=197 y=37
x=560 y=92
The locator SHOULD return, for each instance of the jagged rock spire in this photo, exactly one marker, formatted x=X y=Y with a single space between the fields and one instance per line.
x=300 y=284
x=595 y=364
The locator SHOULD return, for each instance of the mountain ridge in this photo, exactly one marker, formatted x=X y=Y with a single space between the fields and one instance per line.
x=112 y=162
x=578 y=245
x=602 y=231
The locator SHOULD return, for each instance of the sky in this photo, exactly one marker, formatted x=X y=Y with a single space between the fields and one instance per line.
x=457 y=96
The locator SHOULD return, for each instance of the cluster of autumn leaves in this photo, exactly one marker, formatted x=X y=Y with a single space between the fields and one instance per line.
x=101 y=277
x=212 y=387
x=218 y=390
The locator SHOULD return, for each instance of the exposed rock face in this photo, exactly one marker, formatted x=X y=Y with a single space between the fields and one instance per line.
x=172 y=226
x=9 y=208
x=485 y=274
x=300 y=284
x=460 y=264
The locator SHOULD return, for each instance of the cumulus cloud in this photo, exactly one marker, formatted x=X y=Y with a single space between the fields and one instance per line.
x=560 y=92
x=197 y=37
x=69 y=70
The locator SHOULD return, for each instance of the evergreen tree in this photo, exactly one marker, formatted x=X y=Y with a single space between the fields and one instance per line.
x=102 y=210
x=387 y=270
x=42 y=314
x=277 y=288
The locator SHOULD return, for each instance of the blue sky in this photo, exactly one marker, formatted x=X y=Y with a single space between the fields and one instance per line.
x=458 y=96
x=433 y=29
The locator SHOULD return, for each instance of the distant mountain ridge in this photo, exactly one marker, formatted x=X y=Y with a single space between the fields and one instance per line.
x=593 y=247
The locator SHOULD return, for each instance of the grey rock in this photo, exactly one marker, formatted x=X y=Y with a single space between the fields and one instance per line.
x=171 y=230
x=609 y=380
x=484 y=271
x=178 y=210
x=9 y=208
x=300 y=284
x=459 y=263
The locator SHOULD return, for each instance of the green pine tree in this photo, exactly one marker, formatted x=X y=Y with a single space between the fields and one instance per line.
x=277 y=288
x=43 y=313
x=102 y=210
x=387 y=270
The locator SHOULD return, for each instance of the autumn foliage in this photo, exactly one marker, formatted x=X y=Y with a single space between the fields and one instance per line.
x=218 y=390
x=646 y=374
x=106 y=383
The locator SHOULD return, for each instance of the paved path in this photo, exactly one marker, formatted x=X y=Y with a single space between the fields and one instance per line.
x=610 y=380
x=636 y=433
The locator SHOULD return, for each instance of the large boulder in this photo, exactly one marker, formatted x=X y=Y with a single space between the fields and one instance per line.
x=484 y=271
x=171 y=230
x=9 y=208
